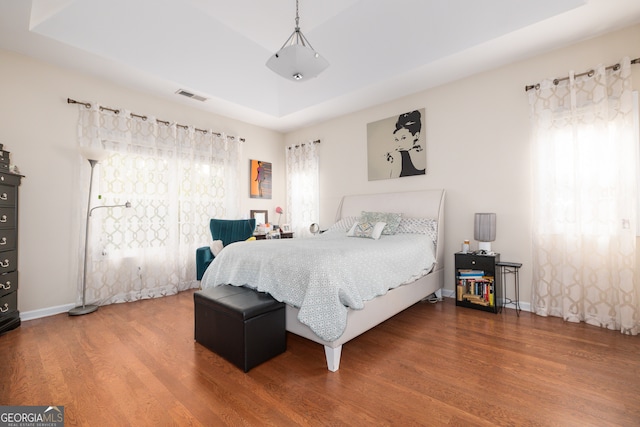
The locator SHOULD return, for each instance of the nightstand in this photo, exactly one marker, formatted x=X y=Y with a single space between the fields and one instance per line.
x=477 y=283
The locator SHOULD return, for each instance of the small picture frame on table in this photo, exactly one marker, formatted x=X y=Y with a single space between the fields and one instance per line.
x=261 y=216
x=286 y=228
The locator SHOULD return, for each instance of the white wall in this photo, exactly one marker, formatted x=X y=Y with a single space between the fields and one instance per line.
x=477 y=132
x=39 y=129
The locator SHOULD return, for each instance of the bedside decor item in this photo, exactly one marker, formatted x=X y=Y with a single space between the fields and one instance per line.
x=261 y=217
x=314 y=228
x=484 y=231
x=297 y=60
x=260 y=179
x=396 y=146
x=279 y=211
x=93 y=157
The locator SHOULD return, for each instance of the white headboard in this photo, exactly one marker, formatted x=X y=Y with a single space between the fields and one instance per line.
x=413 y=204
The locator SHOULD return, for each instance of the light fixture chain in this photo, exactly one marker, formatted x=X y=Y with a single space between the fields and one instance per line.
x=297 y=17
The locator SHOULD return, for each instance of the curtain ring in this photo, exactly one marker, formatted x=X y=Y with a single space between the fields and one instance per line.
x=591 y=73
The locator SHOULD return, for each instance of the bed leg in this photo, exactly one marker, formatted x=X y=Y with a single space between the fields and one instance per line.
x=333 y=357
x=439 y=293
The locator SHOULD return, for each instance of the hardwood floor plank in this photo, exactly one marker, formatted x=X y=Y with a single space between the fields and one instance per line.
x=433 y=364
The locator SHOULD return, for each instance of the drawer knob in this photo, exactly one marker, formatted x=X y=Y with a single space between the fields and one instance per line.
x=4 y=264
x=4 y=196
x=6 y=285
x=3 y=218
x=3 y=241
x=4 y=308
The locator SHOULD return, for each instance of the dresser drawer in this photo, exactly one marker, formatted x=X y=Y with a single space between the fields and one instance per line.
x=10 y=179
x=8 y=283
x=8 y=195
x=9 y=303
x=8 y=217
x=8 y=261
x=8 y=239
x=471 y=261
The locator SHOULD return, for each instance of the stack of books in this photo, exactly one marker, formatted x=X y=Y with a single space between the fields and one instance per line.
x=475 y=287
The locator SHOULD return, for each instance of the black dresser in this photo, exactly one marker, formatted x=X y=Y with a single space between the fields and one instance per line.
x=9 y=314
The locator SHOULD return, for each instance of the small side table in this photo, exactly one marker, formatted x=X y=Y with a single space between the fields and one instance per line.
x=283 y=235
x=510 y=268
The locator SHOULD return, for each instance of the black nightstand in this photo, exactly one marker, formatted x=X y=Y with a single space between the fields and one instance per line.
x=477 y=283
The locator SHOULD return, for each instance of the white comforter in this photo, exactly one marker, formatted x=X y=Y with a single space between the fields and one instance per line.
x=323 y=275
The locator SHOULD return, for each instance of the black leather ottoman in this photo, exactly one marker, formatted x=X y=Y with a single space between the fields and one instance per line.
x=244 y=326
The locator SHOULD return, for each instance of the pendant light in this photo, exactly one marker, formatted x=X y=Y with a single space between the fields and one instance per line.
x=297 y=60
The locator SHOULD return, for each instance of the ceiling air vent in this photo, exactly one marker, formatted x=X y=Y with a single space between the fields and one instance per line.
x=190 y=95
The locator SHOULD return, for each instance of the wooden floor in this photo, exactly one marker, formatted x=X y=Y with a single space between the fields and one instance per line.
x=433 y=364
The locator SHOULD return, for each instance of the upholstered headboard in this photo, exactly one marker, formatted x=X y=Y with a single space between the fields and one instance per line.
x=413 y=204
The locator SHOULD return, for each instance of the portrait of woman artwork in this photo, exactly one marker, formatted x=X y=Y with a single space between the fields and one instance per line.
x=396 y=146
x=260 y=181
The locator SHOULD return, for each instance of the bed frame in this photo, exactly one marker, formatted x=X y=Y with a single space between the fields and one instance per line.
x=418 y=204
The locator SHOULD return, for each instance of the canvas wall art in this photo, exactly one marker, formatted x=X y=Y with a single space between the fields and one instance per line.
x=260 y=179
x=396 y=146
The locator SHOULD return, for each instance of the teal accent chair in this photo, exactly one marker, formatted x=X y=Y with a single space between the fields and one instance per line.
x=227 y=230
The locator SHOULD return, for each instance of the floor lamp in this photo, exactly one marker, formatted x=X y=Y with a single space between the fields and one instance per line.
x=84 y=308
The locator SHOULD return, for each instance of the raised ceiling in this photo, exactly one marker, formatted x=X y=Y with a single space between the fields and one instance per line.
x=378 y=49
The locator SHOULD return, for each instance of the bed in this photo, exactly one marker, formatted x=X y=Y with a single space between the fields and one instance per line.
x=277 y=266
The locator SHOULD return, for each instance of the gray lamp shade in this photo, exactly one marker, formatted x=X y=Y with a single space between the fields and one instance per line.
x=484 y=229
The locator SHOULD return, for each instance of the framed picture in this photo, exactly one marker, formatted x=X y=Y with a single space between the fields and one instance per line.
x=262 y=217
x=286 y=228
x=396 y=146
x=260 y=179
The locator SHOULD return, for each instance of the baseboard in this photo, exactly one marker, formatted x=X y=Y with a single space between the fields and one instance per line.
x=52 y=311
x=45 y=312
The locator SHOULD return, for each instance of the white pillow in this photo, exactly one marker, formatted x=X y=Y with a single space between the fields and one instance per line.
x=369 y=230
x=344 y=224
x=216 y=246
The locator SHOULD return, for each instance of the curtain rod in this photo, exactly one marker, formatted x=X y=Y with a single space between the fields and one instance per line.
x=589 y=73
x=317 y=141
x=164 y=122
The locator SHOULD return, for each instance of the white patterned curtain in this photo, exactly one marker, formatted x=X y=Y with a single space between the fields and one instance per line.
x=585 y=165
x=303 y=190
x=176 y=179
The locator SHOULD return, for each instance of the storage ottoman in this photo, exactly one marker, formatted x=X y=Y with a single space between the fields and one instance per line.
x=244 y=326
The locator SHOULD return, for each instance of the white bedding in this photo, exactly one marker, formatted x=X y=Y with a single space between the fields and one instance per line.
x=324 y=275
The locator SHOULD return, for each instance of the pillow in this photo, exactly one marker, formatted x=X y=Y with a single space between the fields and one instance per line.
x=251 y=239
x=391 y=219
x=216 y=246
x=344 y=224
x=426 y=226
x=369 y=230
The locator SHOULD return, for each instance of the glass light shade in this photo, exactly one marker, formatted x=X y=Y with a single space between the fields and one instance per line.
x=297 y=62
x=97 y=154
